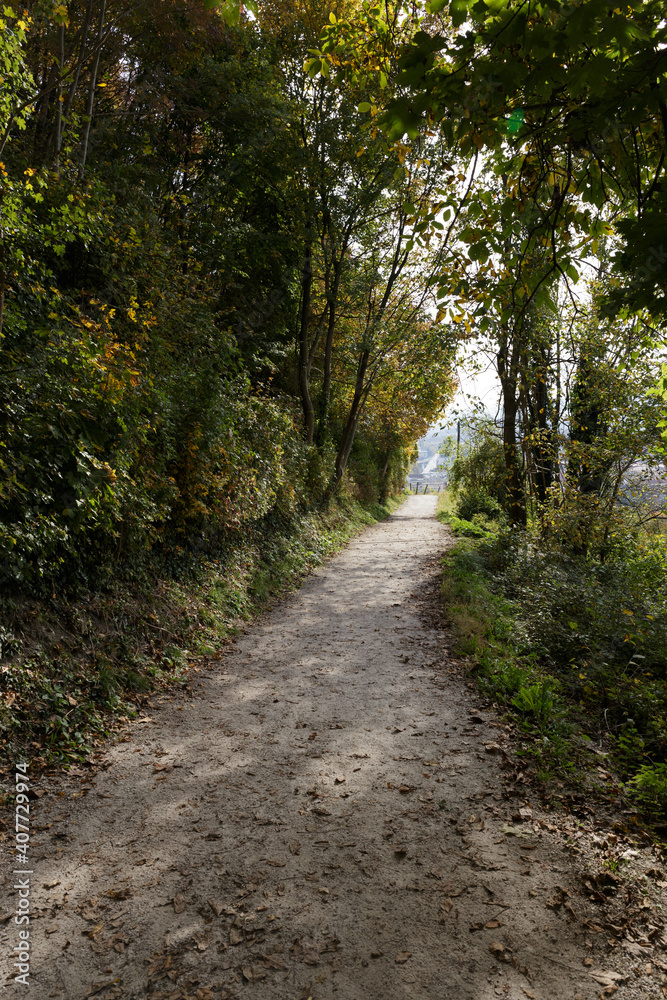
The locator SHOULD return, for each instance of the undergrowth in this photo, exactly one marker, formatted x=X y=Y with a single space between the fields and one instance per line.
x=575 y=650
x=70 y=670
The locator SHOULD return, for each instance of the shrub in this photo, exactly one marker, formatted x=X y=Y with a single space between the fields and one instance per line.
x=481 y=468
x=477 y=501
x=649 y=788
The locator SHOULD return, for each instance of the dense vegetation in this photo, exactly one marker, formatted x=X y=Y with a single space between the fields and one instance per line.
x=239 y=245
x=559 y=110
x=216 y=341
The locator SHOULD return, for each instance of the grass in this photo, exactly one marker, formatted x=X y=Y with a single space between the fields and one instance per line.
x=574 y=651
x=71 y=672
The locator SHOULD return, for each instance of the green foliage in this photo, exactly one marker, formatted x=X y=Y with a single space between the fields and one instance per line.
x=480 y=470
x=573 y=647
x=476 y=501
x=536 y=700
x=649 y=789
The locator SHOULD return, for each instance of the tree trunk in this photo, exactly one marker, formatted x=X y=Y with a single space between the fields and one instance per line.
x=91 y=91
x=347 y=439
x=75 y=82
x=59 y=95
x=542 y=448
x=3 y=273
x=304 y=354
x=325 y=398
x=516 y=501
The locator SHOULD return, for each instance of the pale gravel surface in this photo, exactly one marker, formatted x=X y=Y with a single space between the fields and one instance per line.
x=299 y=867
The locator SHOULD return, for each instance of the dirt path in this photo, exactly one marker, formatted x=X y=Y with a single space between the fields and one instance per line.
x=322 y=819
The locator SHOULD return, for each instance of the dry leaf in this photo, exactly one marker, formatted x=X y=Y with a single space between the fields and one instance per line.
x=274 y=963
x=447 y=904
x=52 y=928
x=295 y=847
x=201 y=940
x=606 y=978
x=492 y=924
x=402 y=957
x=216 y=907
x=179 y=903
x=235 y=935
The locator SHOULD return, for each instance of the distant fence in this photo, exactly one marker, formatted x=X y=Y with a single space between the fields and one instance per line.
x=419 y=486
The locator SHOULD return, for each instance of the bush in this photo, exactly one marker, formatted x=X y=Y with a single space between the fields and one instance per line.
x=477 y=501
x=481 y=468
x=649 y=788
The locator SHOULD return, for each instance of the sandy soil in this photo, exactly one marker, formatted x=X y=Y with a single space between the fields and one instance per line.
x=328 y=815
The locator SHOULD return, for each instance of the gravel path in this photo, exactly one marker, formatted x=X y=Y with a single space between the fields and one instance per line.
x=325 y=817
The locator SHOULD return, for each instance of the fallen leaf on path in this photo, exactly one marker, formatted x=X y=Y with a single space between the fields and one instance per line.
x=248 y=973
x=500 y=951
x=654 y=873
x=515 y=831
x=98 y=987
x=402 y=957
x=492 y=924
x=52 y=928
x=605 y=978
x=121 y=892
x=275 y=864
x=529 y=993
x=201 y=940
x=447 y=904
x=235 y=935
x=51 y=885
x=216 y=907
x=274 y=963
x=179 y=903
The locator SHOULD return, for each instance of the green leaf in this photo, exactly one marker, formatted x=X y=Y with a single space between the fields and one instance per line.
x=364 y=107
x=458 y=10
